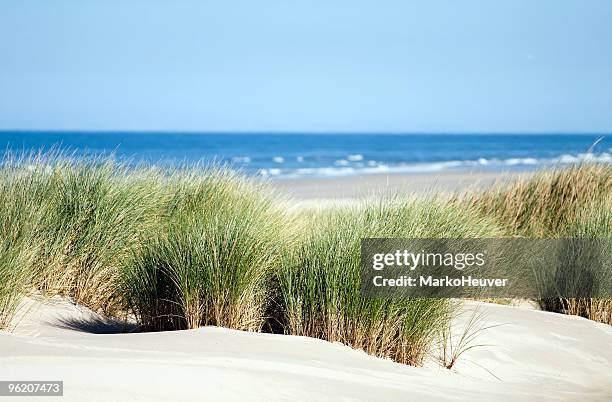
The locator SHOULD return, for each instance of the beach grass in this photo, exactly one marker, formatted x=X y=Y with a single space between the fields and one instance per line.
x=99 y=231
x=14 y=272
x=547 y=203
x=95 y=214
x=593 y=221
x=575 y=202
x=319 y=283
x=82 y=220
x=211 y=259
x=195 y=246
x=19 y=217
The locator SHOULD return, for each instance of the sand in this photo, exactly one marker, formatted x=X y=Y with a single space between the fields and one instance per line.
x=352 y=187
x=533 y=355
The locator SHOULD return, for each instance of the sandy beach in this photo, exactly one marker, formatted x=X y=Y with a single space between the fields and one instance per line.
x=351 y=187
x=530 y=355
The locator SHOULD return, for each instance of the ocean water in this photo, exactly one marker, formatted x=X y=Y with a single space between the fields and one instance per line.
x=325 y=155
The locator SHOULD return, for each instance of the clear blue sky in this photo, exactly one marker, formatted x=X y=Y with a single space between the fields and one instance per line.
x=453 y=66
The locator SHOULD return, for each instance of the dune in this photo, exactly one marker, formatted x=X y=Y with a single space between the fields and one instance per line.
x=531 y=355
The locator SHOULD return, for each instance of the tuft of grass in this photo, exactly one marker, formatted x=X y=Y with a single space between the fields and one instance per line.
x=69 y=225
x=319 y=283
x=593 y=221
x=100 y=232
x=19 y=217
x=544 y=205
x=575 y=202
x=211 y=261
x=94 y=216
x=14 y=277
x=452 y=346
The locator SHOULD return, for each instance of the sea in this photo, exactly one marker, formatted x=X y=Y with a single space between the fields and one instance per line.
x=304 y=155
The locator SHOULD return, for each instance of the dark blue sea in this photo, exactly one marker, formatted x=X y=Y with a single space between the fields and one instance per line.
x=325 y=155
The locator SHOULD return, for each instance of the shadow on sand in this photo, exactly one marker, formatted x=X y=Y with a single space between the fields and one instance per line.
x=96 y=325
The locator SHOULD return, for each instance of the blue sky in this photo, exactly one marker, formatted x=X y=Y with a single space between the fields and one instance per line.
x=407 y=66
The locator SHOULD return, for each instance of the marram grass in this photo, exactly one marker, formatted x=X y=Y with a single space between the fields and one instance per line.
x=319 y=283
x=79 y=222
x=98 y=232
x=545 y=204
x=20 y=215
x=575 y=202
x=94 y=217
x=192 y=247
x=212 y=258
x=593 y=221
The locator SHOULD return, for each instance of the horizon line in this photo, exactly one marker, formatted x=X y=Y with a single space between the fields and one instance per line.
x=299 y=132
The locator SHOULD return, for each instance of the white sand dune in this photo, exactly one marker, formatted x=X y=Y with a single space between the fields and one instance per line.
x=537 y=356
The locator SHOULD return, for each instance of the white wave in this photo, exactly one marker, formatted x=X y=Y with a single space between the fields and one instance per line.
x=355 y=158
x=345 y=171
x=300 y=158
x=381 y=168
x=241 y=159
x=603 y=157
x=343 y=167
x=378 y=169
x=416 y=167
x=320 y=172
x=567 y=159
x=278 y=159
x=520 y=161
x=269 y=172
